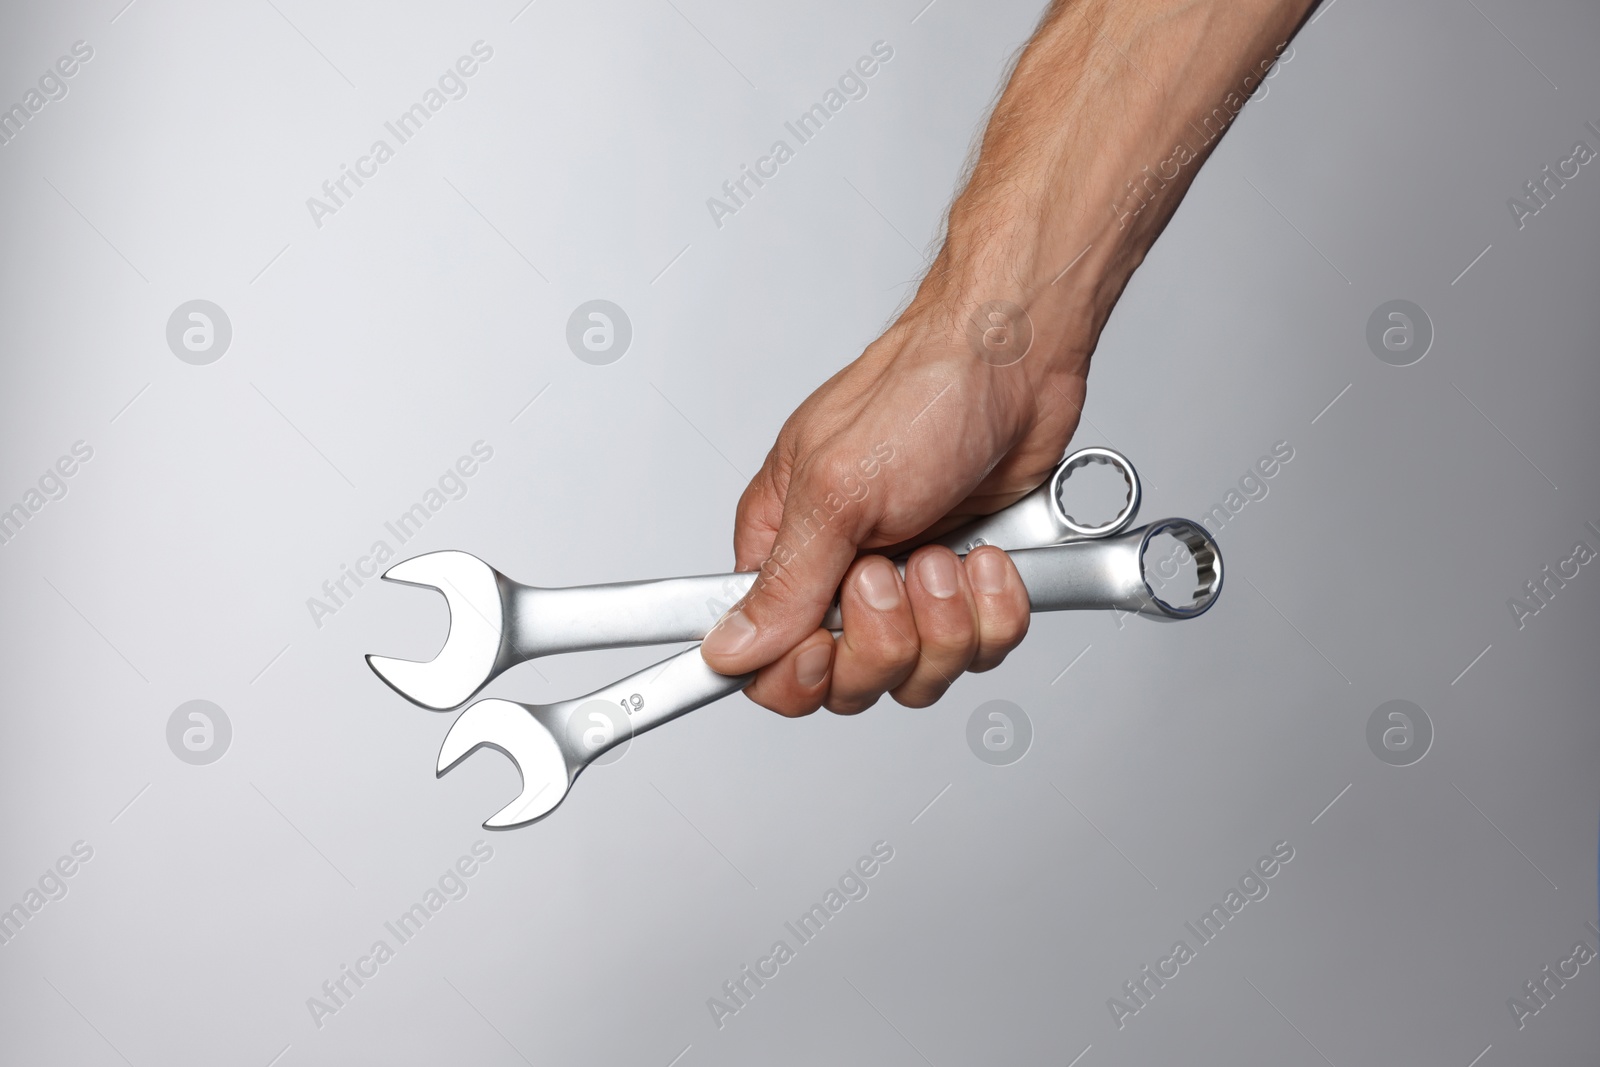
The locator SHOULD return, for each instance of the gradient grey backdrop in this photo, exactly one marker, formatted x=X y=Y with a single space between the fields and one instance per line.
x=369 y=353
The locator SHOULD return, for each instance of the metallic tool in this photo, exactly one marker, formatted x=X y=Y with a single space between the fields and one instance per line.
x=550 y=744
x=496 y=623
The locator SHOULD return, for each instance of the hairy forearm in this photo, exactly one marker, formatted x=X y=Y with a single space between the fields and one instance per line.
x=1101 y=97
x=1112 y=108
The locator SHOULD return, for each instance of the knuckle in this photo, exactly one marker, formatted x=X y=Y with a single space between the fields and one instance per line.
x=823 y=494
x=775 y=584
x=948 y=634
x=918 y=696
x=882 y=643
x=851 y=705
x=752 y=502
x=778 y=699
x=862 y=682
x=988 y=660
x=892 y=651
x=827 y=470
x=1006 y=631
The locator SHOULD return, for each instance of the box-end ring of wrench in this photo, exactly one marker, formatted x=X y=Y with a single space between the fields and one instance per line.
x=550 y=744
x=496 y=623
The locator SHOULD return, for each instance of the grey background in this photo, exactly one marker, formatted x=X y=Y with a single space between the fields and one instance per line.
x=369 y=354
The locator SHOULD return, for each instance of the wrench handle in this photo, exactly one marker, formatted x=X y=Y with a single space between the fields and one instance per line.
x=622 y=614
x=684 y=682
x=1090 y=575
x=546 y=622
x=1085 y=575
x=664 y=691
x=663 y=611
x=1081 y=574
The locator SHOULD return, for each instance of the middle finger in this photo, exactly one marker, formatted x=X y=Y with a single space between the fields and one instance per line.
x=947 y=624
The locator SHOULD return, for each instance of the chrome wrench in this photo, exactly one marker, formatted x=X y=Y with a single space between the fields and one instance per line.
x=550 y=744
x=496 y=623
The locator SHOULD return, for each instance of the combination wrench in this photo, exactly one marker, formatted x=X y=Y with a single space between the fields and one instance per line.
x=550 y=744
x=496 y=623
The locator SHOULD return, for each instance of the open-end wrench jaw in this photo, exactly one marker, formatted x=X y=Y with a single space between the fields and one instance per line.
x=472 y=652
x=520 y=733
x=551 y=744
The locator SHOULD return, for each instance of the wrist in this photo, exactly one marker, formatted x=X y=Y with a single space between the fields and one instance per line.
x=1017 y=299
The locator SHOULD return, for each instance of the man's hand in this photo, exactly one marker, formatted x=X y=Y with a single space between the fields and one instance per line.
x=1112 y=108
x=916 y=434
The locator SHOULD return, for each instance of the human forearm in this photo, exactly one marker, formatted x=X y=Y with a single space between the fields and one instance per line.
x=1110 y=112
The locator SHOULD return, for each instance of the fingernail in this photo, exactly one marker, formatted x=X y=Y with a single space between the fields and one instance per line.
x=987 y=572
x=938 y=571
x=811 y=666
x=879 y=585
x=732 y=635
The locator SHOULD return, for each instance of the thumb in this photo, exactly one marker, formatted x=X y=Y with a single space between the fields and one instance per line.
x=814 y=546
